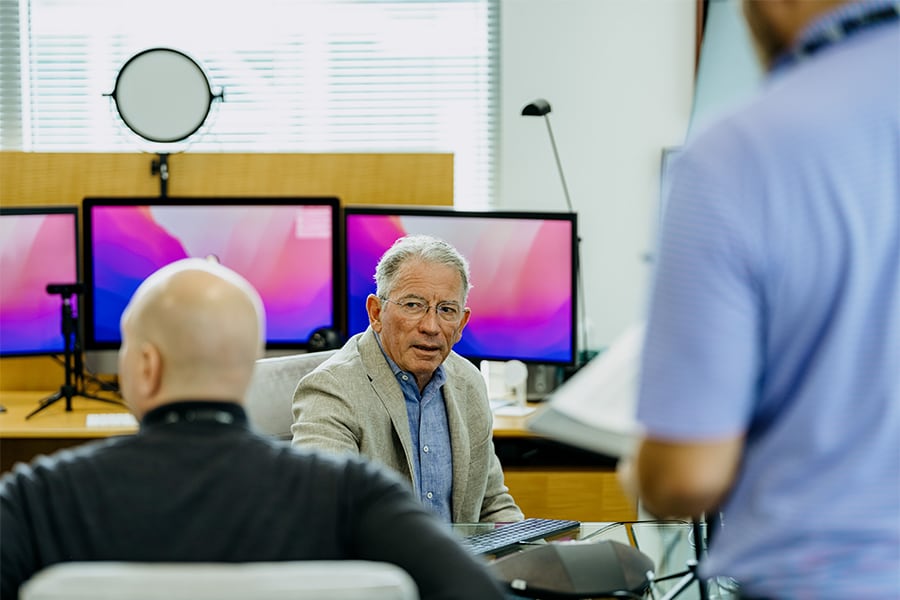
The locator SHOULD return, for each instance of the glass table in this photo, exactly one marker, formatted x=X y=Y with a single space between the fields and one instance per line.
x=669 y=544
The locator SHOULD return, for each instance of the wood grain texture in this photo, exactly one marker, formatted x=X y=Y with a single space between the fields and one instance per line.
x=583 y=494
x=28 y=178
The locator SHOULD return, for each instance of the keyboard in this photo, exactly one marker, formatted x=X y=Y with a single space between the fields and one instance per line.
x=506 y=536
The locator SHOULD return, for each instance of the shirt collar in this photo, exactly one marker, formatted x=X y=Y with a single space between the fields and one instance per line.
x=830 y=28
x=437 y=378
x=196 y=411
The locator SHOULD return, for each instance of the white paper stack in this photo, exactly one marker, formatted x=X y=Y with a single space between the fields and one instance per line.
x=596 y=408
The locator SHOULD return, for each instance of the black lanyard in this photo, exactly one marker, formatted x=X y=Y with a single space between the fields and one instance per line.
x=846 y=28
x=224 y=413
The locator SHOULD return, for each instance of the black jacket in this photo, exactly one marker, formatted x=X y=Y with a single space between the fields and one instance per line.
x=196 y=484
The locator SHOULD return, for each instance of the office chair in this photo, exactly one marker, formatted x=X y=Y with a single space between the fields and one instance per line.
x=294 y=580
x=271 y=392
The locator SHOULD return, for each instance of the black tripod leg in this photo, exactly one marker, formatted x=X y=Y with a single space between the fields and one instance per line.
x=686 y=580
x=682 y=585
x=93 y=397
x=46 y=402
x=700 y=551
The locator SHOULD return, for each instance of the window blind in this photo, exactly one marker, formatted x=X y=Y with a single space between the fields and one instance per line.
x=296 y=75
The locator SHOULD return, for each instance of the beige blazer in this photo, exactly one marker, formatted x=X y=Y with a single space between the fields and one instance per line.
x=352 y=403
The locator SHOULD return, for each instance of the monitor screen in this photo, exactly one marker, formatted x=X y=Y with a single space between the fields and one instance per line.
x=522 y=274
x=38 y=246
x=285 y=247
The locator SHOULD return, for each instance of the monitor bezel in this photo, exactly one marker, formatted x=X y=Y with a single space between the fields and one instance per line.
x=90 y=343
x=39 y=210
x=446 y=211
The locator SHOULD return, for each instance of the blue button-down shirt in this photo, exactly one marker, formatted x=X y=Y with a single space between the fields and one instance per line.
x=430 y=434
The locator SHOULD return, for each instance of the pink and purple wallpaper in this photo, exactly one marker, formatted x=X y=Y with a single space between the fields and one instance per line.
x=35 y=249
x=285 y=251
x=521 y=273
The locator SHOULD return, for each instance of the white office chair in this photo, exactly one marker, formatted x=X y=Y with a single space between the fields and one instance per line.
x=268 y=400
x=297 y=580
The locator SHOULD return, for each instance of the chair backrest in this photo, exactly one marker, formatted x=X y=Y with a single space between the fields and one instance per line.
x=271 y=391
x=294 y=580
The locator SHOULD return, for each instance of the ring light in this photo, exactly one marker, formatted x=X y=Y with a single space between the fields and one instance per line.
x=163 y=95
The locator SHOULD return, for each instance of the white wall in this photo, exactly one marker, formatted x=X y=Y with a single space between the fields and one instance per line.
x=619 y=77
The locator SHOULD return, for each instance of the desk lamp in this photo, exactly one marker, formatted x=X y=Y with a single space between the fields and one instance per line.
x=541 y=108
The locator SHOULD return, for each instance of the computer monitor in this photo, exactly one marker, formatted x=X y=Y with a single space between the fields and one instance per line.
x=285 y=247
x=522 y=272
x=38 y=246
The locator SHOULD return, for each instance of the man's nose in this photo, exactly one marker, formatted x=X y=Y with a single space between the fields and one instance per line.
x=430 y=321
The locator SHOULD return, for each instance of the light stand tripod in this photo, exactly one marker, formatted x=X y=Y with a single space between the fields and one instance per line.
x=691 y=575
x=72 y=346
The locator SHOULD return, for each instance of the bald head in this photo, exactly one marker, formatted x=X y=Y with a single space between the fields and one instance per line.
x=192 y=331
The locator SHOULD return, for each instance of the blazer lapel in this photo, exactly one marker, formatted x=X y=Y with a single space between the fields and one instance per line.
x=387 y=390
x=459 y=444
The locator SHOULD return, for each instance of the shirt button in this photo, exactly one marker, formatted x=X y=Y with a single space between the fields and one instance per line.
x=425 y=449
x=429 y=495
x=404 y=377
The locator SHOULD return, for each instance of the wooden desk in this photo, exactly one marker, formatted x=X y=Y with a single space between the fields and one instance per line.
x=547 y=479
x=506 y=426
x=554 y=480
x=50 y=429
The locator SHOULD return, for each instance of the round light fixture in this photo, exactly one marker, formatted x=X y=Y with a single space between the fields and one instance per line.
x=163 y=95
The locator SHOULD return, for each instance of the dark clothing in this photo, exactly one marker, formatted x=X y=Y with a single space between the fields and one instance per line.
x=196 y=484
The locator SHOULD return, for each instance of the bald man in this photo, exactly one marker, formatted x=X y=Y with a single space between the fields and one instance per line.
x=195 y=483
x=771 y=374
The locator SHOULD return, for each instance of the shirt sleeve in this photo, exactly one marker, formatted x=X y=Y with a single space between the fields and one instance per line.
x=702 y=349
x=394 y=527
x=16 y=551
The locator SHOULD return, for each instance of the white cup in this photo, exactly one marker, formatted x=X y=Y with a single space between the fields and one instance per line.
x=516 y=378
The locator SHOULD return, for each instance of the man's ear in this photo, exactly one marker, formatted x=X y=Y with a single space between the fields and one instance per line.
x=373 y=307
x=150 y=370
x=462 y=324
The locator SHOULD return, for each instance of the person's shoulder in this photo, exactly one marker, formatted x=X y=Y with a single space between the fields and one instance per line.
x=346 y=358
x=322 y=465
x=457 y=366
x=466 y=379
x=65 y=463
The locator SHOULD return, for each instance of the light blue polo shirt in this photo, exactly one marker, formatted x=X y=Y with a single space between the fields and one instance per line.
x=776 y=313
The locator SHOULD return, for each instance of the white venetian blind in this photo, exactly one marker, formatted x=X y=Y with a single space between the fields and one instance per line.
x=297 y=76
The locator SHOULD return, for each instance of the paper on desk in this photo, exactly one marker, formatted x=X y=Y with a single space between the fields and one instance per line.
x=110 y=420
x=513 y=410
x=596 y=408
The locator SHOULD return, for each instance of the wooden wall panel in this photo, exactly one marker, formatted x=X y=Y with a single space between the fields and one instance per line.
x=51 y=178
x=30 y=179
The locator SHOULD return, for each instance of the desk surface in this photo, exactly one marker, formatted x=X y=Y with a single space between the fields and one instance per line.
x=514 y=425
x=54 y=421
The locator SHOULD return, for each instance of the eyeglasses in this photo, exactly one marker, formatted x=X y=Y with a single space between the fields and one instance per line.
x=416 y=309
